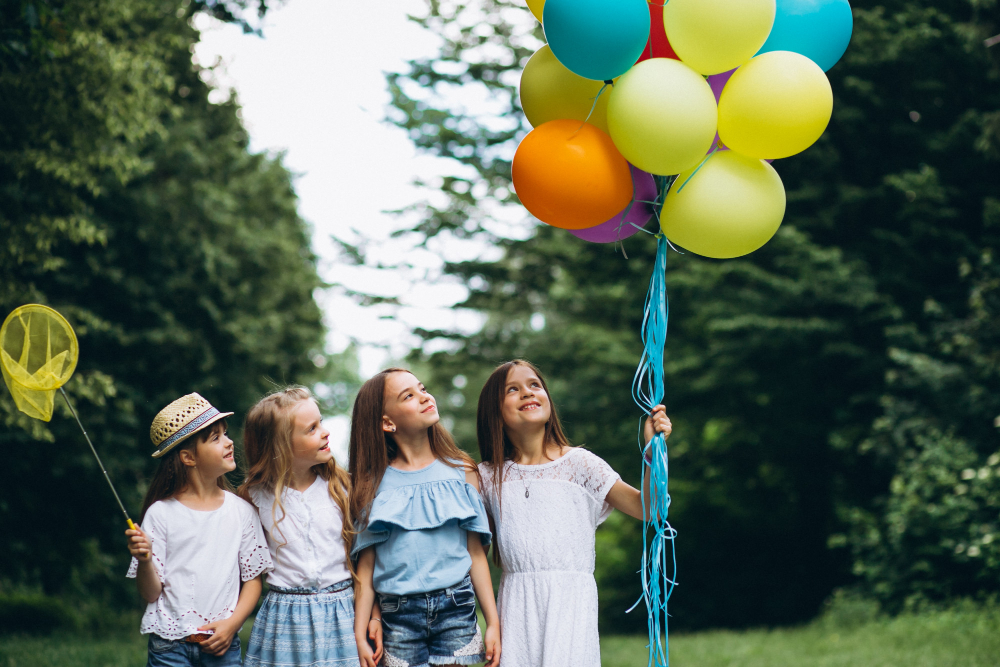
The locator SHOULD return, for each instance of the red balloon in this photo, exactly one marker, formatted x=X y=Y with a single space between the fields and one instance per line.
x=658 y=46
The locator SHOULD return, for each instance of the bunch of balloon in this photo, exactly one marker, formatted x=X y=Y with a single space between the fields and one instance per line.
x=709 y=88
x=672 y=110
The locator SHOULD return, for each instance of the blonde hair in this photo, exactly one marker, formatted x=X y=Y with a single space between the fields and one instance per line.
x=267 y=442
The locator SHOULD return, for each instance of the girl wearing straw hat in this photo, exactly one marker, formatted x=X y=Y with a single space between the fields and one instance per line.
x=301 y=494
x=196 y=543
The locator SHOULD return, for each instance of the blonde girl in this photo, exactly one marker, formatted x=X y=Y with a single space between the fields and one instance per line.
x=301 y=494
x=196 y=543
x=422 y=531
x=546 y=499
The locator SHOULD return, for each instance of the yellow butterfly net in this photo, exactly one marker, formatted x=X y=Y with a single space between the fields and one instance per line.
x=38 y=354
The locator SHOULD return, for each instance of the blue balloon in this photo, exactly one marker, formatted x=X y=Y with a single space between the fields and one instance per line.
x=597 y=39
x=818 y=29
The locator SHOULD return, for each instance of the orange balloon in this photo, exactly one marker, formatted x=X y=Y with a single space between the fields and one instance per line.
x=569 y=174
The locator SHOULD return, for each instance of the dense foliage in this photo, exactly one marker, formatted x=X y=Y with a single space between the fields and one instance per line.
x=133 y=205
x=833 y=394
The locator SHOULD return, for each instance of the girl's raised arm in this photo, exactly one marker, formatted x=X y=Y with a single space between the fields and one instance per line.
x=625 y=497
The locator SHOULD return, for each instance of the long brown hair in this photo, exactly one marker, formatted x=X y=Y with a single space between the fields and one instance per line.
x=372 y=449
x=495 y=448
x=172 y=475
x=267 y=442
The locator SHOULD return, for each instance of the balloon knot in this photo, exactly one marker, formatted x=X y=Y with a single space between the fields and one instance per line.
x=609 y=82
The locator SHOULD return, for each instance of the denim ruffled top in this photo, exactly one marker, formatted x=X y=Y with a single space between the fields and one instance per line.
x=418 y=524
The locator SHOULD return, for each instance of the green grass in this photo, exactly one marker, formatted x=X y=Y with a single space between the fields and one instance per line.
x=967 y=637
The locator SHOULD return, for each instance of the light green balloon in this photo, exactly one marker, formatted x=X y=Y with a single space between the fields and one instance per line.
x=662 y=116
x=731 y=207
x=549 y=91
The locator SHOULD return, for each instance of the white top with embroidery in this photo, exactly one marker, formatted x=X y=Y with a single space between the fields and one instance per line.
x=545 y=533
x=201 y=558
x=306 y=544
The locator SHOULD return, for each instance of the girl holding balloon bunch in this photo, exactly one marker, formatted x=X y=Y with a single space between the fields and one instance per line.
x=545 y=499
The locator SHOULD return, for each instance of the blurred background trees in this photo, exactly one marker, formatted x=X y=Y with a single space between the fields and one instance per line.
x=132 y=205
x=834 y=394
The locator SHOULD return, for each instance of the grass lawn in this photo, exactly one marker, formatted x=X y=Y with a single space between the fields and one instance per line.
x=943 y=639
x=966 y=638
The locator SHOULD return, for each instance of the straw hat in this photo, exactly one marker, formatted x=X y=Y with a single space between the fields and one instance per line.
x=180 y=419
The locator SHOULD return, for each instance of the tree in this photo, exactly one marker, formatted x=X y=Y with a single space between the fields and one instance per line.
x=134 y=206
x=780 y=365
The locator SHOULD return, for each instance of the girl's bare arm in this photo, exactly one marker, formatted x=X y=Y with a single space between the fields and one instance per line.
x=625 y=497
x=364 y=601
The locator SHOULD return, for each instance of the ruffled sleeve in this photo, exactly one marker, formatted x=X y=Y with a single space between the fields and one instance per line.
x=423 y=507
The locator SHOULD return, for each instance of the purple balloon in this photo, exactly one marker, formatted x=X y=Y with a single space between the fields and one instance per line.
x=718 y=82
x=616 y=228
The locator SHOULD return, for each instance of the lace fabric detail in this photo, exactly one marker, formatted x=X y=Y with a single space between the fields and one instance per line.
x=578 y=466
x=254 y=563
x=133 y=567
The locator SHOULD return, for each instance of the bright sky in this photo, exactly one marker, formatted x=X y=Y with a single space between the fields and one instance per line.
x=314 y=87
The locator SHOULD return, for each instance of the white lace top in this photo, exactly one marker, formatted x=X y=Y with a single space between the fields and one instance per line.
x=306 y=544
x=201 y=558
x=545 y=533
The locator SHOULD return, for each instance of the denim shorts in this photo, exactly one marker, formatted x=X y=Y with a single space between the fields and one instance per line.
x=179 y=653
x=436 y=628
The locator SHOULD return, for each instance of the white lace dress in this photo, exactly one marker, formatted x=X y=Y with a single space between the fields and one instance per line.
x=545 y=533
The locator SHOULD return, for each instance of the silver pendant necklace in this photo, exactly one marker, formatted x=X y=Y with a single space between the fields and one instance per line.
x=524 y=483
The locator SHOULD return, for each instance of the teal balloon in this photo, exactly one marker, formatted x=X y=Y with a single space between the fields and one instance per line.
x=818 y=29
x=597 y=39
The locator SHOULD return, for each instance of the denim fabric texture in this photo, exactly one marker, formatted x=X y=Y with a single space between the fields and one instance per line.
x=436 y=628
x=178 y=653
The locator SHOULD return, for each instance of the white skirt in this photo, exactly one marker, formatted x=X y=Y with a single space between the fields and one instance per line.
x=549 y=619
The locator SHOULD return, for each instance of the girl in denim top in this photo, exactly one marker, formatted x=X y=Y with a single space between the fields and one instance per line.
x=422 y=534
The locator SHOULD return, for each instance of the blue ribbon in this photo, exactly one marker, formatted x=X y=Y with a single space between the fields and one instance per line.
x=659 y=559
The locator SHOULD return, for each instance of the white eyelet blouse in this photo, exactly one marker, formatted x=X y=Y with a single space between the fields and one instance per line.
x=201 y=558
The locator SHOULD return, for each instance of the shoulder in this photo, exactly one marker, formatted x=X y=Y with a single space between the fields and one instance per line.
x=240 y=506
x=158 y=512
x=259 y=496
x=590 y=471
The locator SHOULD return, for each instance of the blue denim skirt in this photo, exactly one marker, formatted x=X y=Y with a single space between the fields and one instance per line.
x=301 y=627
x=436 y=628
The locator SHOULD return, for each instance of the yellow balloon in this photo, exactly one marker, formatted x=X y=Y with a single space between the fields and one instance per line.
x=38 y=354
x=731 y=207
x=536 y=7
x=714 y=36
x=776 y=105
x=549 y=91
x=662 y=116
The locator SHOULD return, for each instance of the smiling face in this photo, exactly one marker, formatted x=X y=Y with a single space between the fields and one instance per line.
x=213 y=451
x=525 y=402
x=408 y=407
x=310 y=440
